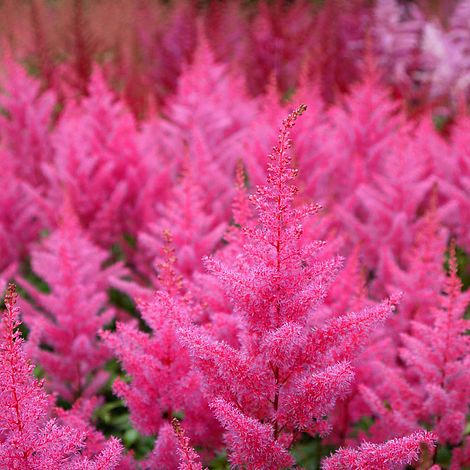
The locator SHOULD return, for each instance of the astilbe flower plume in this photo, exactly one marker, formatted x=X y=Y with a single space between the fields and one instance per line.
x=97 y=164
x=20 y=217
x=189 y=460
x=354 y=143
x=438 y=355
x=393 y=455
x=195 y=230
x=205 y=122
x=25 y=121
x=162 y=381
x=430 y=383
x=285 y=376
x=66 y=321
x=419 y=276
x=259 y=135
x=25 y=146
x=29 y=439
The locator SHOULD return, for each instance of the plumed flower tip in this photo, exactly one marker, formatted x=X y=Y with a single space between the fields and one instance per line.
x=284 y=377
x=392 y=455
x=29 y=439
x=189 y=460
x=76 y=310
x=437 y=355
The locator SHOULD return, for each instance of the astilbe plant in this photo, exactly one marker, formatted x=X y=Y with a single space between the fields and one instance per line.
x=195 y=230
x=355 y=143
x=25 y=146
x=257 y=140
x=162 y=382
x=25 y=121
x=173 y=450
x=289 y=369
x=97 y=164
x=20 y=217
x=393 y=455
x=29 y=438
x=419 y=277
x=396 y=401
x=430 y=383
x=65 y=322
x=388 y=211
x=206 y=121
x=438 y=354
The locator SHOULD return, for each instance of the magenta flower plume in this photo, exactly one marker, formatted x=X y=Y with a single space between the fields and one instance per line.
x=70 y=317
x=29 y=439
x=189 y=460
x=392 y=455
x=284 y=377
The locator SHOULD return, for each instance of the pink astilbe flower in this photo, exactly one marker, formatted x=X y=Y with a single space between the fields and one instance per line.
x=420 y=276
x=438 y=355
x=205 y=123
x=195 y=230
x=79 y=417
x=25 y=122
x=97 y=164
x=25 y=146
x=251 y=443
x=165 y=451
x=242 y=211
x=430 y=383
x=397 y=31
x=260 y=134
x=386 y=210
x=20 y=216
x=284 y=377
x=396 y=415
x=393 y=455
x=109 y=458
x=28 y=438
x=68 y=319
x=455 y=182
x=162 y=382
x=189 y=460
x=356 y=142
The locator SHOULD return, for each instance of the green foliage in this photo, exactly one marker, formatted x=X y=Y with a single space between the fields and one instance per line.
x=220 y=462
x=29 y=275
x=113 y=419
x=309 y=452
x=463 y=265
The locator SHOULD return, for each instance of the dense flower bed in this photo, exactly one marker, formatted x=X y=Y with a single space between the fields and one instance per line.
x=234 y=235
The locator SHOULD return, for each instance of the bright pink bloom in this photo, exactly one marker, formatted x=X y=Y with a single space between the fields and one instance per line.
x=25 y=122
x=69 y=318
x=97 y=164
x=162 y=381
x=28 y=438
x=250 y=443
x=439 y=357
x=195 y=229
x=392 y=455
x=189 y=460
x=283 y=377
